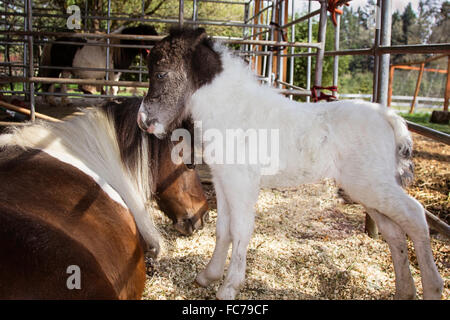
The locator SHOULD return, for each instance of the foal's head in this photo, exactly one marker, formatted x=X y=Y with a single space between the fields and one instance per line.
x=178 y=65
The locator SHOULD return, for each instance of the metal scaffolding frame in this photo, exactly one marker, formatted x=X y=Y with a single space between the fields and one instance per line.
x=263 y=42
x=421 y=69
x=29 y=38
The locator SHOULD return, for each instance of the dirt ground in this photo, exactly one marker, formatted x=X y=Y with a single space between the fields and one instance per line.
x=432 y=176
x=308 y=243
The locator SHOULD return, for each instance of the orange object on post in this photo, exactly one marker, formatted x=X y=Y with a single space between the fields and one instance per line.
x=332 y=7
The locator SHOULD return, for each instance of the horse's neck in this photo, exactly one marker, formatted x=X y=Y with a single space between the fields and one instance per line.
x=235 y=90
x=123 y=57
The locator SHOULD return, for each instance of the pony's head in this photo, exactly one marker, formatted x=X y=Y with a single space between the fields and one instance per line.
x=124 y=56
x=179 y=193
x=178 y=65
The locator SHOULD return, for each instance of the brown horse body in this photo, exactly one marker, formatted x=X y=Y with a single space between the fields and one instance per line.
x=54 y=216
x=48 y=224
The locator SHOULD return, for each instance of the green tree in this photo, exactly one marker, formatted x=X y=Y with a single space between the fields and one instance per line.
x=440 y=30
x=408 y=20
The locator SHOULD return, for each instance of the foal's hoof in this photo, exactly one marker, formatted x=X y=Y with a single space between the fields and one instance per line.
x=153 y=250
x=408 y=296
x=226 y=293
x=201 y=280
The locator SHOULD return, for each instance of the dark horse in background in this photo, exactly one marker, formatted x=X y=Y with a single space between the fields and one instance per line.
x=76 y=193
x=90 y=54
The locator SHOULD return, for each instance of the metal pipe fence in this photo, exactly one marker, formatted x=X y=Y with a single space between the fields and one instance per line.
x=264 y=23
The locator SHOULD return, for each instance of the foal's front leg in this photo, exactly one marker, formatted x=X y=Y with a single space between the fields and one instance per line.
x=241 y=225
x=241 y=198
x=214 y=269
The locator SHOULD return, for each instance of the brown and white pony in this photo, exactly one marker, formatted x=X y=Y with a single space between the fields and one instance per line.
x=91 y=54
x=76 y=194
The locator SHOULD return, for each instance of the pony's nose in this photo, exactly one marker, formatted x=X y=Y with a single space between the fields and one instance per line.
x=146 y=123
x=196 y=223
x=185 y=227
x=189 y=225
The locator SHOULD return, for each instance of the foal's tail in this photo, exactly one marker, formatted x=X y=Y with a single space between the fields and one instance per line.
x=404 y=143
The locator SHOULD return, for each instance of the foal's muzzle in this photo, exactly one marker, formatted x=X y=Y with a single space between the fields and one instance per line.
x=145 y=123
x=149 y=125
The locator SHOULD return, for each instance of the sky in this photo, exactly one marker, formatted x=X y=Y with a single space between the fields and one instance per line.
x=396 y=4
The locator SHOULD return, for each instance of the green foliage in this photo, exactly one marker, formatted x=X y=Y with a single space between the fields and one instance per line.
x=423 y=118
x=429 y=25
x=356 y=83
x=167 y=9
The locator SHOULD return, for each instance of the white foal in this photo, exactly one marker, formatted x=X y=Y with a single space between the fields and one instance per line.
x=364 y=146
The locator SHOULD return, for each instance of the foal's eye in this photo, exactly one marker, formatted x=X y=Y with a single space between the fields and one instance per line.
x=161 y=75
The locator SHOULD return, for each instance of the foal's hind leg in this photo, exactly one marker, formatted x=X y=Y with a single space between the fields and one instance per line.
x=396 y=239
x=214 y=269
x=390 y=199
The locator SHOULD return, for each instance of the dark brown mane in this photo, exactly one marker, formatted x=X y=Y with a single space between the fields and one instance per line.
x=176 y=189
x=129 y=137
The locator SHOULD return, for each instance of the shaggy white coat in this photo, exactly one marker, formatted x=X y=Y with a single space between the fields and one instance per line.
x=356 y=143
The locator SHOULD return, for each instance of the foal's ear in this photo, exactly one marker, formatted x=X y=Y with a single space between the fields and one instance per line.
x=199 y=36
x=206 y=63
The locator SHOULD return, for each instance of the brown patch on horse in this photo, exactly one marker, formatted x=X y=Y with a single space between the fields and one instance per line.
x=52 y=216
x=58 y=55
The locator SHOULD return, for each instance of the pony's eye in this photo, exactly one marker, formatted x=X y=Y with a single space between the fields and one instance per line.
x=161 y=75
